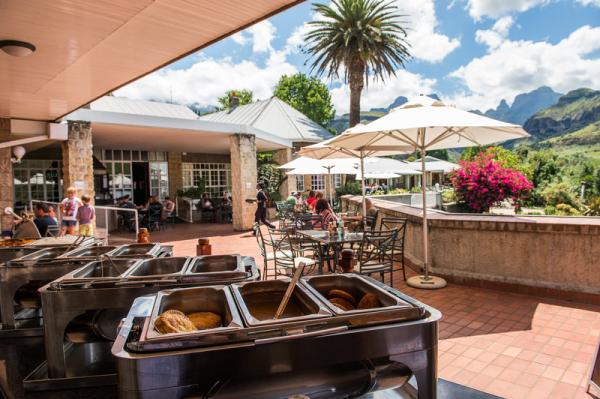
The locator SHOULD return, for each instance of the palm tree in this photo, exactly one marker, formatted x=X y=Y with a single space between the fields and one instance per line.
x=360 y=38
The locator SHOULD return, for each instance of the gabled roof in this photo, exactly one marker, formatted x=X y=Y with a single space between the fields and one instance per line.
x=273 y=116
x=142 y=107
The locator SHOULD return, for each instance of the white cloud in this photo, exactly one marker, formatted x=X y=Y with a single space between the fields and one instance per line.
x=239 y=38
x=381 y=94
x=262 y=34
x=498 y=8
x=514 y=67
x=589 y=2
x=495 y=36
x=208 y=79
x=427 y=43
x=296 y=39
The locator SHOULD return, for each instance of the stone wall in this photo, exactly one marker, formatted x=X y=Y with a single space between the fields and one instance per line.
x=556 y=255
x=77 y=159
x=6 y=178
x=175 y=173
x=282 y=157
x=243 y=179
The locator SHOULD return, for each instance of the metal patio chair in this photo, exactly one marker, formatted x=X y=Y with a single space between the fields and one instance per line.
x=376 y=253
x=399 y=224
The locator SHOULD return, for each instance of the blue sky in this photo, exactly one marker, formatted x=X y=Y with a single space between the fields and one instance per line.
x=473 y=53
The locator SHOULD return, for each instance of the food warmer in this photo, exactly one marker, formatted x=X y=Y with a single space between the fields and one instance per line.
x=84 y=308
x=39 y=262
x=315 y=350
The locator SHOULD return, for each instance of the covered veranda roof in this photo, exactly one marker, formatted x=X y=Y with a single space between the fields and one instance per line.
x=162 y=133
x=87 y=49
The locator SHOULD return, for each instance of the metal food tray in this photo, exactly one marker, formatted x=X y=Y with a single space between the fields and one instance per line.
x=393 y=309
x=212 y=267
x=91 y=252
x=158 y=268
x=137 y=250
x=64 y=241
x=217 y=299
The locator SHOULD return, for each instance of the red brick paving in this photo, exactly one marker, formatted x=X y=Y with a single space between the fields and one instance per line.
x=510 y=345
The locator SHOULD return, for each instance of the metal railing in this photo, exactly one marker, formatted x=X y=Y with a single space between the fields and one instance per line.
x=107 y=217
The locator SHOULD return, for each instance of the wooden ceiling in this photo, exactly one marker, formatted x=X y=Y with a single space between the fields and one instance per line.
x=87 y=48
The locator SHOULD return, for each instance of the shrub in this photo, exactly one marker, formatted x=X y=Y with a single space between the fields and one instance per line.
x=485 y=181
x=351 y=187
x=594 y=207
x=449 y=196
x=566 y=210
x=558 y=193
x=550 y=210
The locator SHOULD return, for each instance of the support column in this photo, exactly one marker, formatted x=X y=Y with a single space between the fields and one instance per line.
x=281 y=157
x=174 y=160
x=307 y=182
x=6 y=178
x=78 y=164
x=243 y=179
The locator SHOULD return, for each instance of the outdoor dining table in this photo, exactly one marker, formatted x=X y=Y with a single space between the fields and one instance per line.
x=333 y=241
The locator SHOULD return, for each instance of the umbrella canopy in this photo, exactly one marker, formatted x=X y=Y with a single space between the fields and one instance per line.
x=309 y=166
x=328 y=150
x=426 y=124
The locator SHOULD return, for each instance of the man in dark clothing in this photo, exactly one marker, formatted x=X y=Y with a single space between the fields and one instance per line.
x=261 y=207
x=43 y=219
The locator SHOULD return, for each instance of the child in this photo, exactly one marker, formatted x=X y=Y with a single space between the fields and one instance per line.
x=68 y=210
x=85 y=216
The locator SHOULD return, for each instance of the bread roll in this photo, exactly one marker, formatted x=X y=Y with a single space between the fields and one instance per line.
x=205 y=320
x=335 y=293
x=369 y=301
x=342 y=303
x=173 y=321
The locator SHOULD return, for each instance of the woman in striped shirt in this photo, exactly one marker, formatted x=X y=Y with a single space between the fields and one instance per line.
x=322 y=208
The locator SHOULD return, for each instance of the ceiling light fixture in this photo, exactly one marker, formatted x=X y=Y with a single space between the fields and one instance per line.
x=16 y=48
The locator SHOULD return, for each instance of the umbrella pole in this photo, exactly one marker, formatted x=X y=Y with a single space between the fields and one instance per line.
x=425 y=281
x=362 y=180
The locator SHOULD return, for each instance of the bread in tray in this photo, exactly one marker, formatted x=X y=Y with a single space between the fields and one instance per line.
x=205 y=320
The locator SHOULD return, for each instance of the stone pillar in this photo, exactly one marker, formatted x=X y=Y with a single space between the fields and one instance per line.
x=174 y=160
x=307 y=182
x=6 y=178
x=282 y=157
x=78 y=164
x=243 y=179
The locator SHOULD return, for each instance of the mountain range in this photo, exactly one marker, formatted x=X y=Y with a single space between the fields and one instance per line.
x=568 y=123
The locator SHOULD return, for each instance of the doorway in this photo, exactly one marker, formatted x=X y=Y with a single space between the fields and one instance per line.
x=141 y=182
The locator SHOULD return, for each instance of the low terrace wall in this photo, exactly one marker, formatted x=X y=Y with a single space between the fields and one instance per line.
x=553 y=256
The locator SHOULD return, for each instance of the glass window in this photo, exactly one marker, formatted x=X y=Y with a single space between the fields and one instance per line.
x=159 y=179
x=300 y=183
x=317 y=183
x=337 y=181
x=217 y=176
x=36 y=180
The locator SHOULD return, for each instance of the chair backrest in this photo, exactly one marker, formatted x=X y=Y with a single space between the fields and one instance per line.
x=377 y=247
x=391 y=223
x=260 y=240
x=308 y=222
x=283 y=247
x=53 y=231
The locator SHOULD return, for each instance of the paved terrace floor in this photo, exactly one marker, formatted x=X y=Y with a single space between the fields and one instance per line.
x=510 y=345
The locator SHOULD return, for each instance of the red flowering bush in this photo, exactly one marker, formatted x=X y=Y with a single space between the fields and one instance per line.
x=484 y=181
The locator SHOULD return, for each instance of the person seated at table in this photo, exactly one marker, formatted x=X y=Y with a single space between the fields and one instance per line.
x=311 y=200
x=358 y=219
x=323 y=209
x=43 y=219
x=226 y=199
x=293 y=198
x=168 y=207
x=205 y=203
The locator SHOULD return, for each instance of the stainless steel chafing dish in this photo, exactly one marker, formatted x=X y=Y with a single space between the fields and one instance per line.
x=142 y=250
x=20 y=278
x=314 y=350
x=84 y=307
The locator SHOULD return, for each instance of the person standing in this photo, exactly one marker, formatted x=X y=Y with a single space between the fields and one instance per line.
x=68 y=210
x=261 y=208
x=85 y=217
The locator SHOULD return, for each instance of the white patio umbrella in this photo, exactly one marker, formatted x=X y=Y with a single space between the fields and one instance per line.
x=327 y=150
x=329 y=167
x=426 y=124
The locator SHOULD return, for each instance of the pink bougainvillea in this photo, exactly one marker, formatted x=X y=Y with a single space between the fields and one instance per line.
x=484 y=181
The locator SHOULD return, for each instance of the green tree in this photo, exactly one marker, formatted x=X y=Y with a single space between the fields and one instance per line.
x=245 y=97
x=359 y=38
x=439 y=154
x=544 y=167
x=308 y=95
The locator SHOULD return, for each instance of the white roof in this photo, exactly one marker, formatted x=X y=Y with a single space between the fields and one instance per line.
x=274 y=116
x=142 y=107
x=434 y=165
